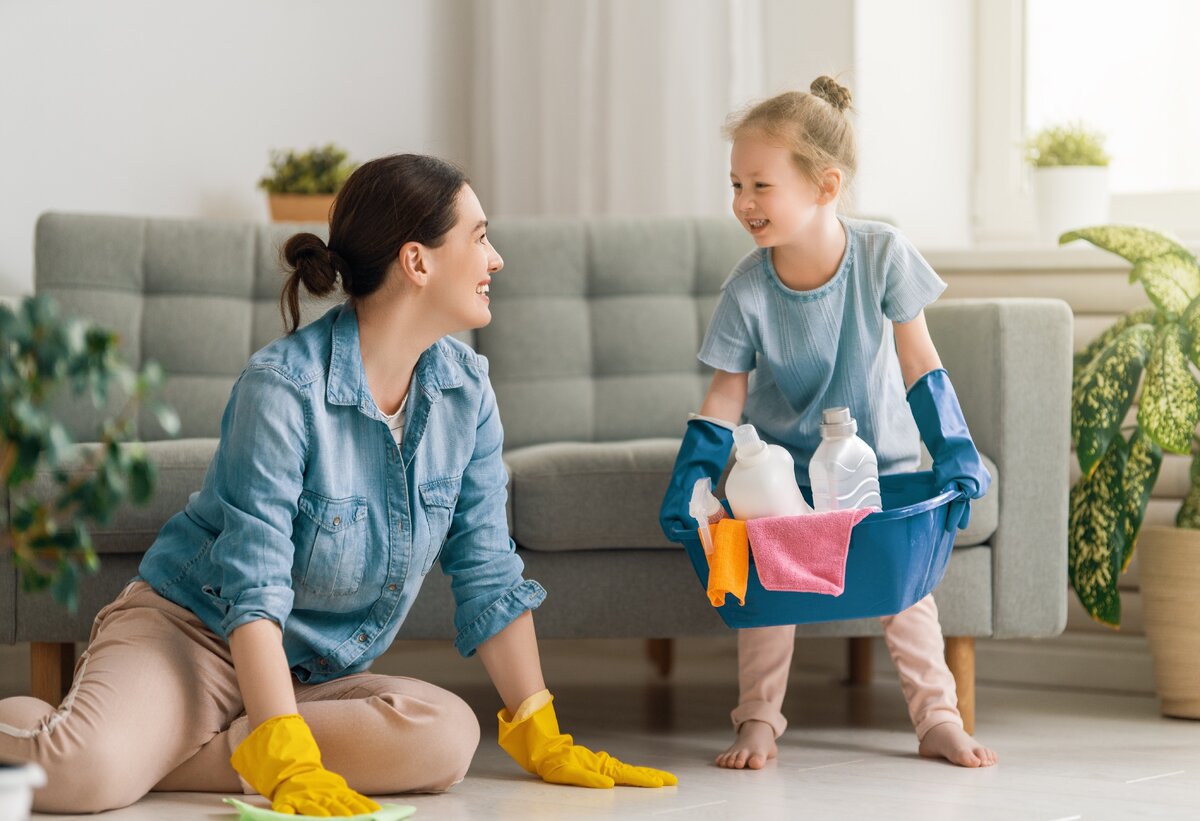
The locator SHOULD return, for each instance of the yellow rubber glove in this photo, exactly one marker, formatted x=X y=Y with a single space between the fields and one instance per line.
x=532 y=739
x=280 y=759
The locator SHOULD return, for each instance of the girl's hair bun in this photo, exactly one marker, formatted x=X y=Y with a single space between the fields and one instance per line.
x=831 y=91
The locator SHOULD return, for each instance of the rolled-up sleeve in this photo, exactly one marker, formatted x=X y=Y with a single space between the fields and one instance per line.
x=479 y=556
x=258 y=477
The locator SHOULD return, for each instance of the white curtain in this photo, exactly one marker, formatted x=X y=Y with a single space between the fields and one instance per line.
x=588 y=107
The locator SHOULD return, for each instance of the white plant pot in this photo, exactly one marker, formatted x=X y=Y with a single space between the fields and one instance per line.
x=1069 y=197
x=17 y=783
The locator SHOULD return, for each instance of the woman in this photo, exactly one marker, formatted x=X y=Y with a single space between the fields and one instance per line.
x=354 y=453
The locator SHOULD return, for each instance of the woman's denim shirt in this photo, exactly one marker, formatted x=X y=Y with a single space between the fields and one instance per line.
x=310 y=515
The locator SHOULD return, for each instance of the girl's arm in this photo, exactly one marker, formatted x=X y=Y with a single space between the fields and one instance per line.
x=915 y=349
x=262 y=670
x=512 y=662
x=726 y=396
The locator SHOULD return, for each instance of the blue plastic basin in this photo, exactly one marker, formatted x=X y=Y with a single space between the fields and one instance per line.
x=897 y=557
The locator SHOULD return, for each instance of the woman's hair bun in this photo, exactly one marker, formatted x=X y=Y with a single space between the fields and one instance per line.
x=313 y=261
x=831 y=91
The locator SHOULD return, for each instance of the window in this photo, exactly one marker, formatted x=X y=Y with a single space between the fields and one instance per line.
x=1130 y=70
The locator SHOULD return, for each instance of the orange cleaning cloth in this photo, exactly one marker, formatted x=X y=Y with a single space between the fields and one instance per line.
x=729 y=564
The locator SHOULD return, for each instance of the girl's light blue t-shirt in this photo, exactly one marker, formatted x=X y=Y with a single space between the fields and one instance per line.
x=828 y=347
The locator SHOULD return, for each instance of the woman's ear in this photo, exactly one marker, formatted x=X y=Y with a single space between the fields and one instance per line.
x=414 y=263
x=830 y=186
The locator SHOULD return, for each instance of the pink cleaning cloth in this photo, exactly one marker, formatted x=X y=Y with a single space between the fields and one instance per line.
x=804 y=554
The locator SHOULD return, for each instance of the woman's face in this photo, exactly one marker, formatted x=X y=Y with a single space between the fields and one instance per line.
x=775 y=202
x=462 y=267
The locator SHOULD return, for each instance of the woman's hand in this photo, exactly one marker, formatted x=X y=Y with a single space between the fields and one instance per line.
x=533 y=740
x=281 y=761
x=280 y=758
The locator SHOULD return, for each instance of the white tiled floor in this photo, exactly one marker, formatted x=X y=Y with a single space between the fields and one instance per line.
x=850 y=753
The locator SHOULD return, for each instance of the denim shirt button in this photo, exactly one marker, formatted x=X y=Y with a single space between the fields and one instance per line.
x=362 y=636
x=337 y=520
x=323 y=662
x=392 y=586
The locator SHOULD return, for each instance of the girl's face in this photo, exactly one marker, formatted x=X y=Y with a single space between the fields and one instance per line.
x=462 y=268
x=772 y=198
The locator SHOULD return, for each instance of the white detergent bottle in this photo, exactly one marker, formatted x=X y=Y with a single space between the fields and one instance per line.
x=844 y=472
x=762 y=481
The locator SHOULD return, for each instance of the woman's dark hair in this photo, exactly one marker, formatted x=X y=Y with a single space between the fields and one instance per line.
x=386 y=203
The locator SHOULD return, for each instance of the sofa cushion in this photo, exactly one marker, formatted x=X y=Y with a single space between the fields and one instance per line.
x=582 y=496
x=180 y=465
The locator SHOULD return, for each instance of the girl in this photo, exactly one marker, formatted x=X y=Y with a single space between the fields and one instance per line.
x=354 y=453
x=813 y=312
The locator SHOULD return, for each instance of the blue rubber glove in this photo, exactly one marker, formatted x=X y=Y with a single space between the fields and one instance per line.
x=956 y=462
x=704 y=452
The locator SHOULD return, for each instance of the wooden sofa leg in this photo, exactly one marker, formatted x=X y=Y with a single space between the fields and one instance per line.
x=960 y=658
x=858 y=660
x=661 y=653
x=51 y=667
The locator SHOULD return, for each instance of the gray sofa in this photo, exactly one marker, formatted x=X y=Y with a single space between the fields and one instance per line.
x=592 y=350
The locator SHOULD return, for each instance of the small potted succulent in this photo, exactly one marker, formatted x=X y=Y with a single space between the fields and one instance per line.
x=49 y=359
x=301 y=185
x=1158 y=349
x=1070 y=178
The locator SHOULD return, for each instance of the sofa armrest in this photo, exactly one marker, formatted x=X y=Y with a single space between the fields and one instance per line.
x=1010 y=361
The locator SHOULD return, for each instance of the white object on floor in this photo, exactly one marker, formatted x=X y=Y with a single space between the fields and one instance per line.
x=17 y=783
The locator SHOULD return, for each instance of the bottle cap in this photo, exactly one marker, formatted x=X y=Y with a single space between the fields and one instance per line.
x=745 y=438
x=837 y=422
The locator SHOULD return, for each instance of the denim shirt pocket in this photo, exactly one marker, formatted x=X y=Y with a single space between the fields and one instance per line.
x=331 y=544
x=438 y=498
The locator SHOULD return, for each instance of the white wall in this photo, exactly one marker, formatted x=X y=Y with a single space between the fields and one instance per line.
x=914 y=70
x=154 y=108
x=910 y=67
x=160 y=108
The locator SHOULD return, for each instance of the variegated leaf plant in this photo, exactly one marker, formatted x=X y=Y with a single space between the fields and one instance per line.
x=1157 y=348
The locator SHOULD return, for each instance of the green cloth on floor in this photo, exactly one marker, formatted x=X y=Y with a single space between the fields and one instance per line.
x=388 y=812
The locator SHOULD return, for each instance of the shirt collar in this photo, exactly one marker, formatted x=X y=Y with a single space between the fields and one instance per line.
x=347 y=380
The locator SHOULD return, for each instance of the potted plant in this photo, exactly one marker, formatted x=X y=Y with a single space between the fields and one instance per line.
x=1070 y=178
x=300 y=186
x=1155 y=347
x=49 y=359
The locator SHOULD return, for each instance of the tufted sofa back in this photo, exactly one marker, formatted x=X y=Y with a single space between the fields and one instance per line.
x=596 y=322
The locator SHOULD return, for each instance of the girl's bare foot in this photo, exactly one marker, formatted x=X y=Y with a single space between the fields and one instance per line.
x=951 y=742
x=753 y=748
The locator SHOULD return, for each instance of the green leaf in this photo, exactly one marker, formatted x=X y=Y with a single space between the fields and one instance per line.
x=1191 y=324
x=1141 y=472
x=168 y=420
x=1170 y=406
x=1104 y=391
x=1189 y=514
x=1096 y=535
x=1172 y=281
x=1132 y=242
x=65 y=587
x=1142 y=316
x=141 y=479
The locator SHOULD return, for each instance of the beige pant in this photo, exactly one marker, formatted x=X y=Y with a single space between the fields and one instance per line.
x=914 y=639
x=155 y=706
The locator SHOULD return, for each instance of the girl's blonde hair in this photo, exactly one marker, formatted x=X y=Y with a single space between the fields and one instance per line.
x=813 y=126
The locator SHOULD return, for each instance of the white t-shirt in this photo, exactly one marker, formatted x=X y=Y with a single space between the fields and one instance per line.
x=395 y=422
